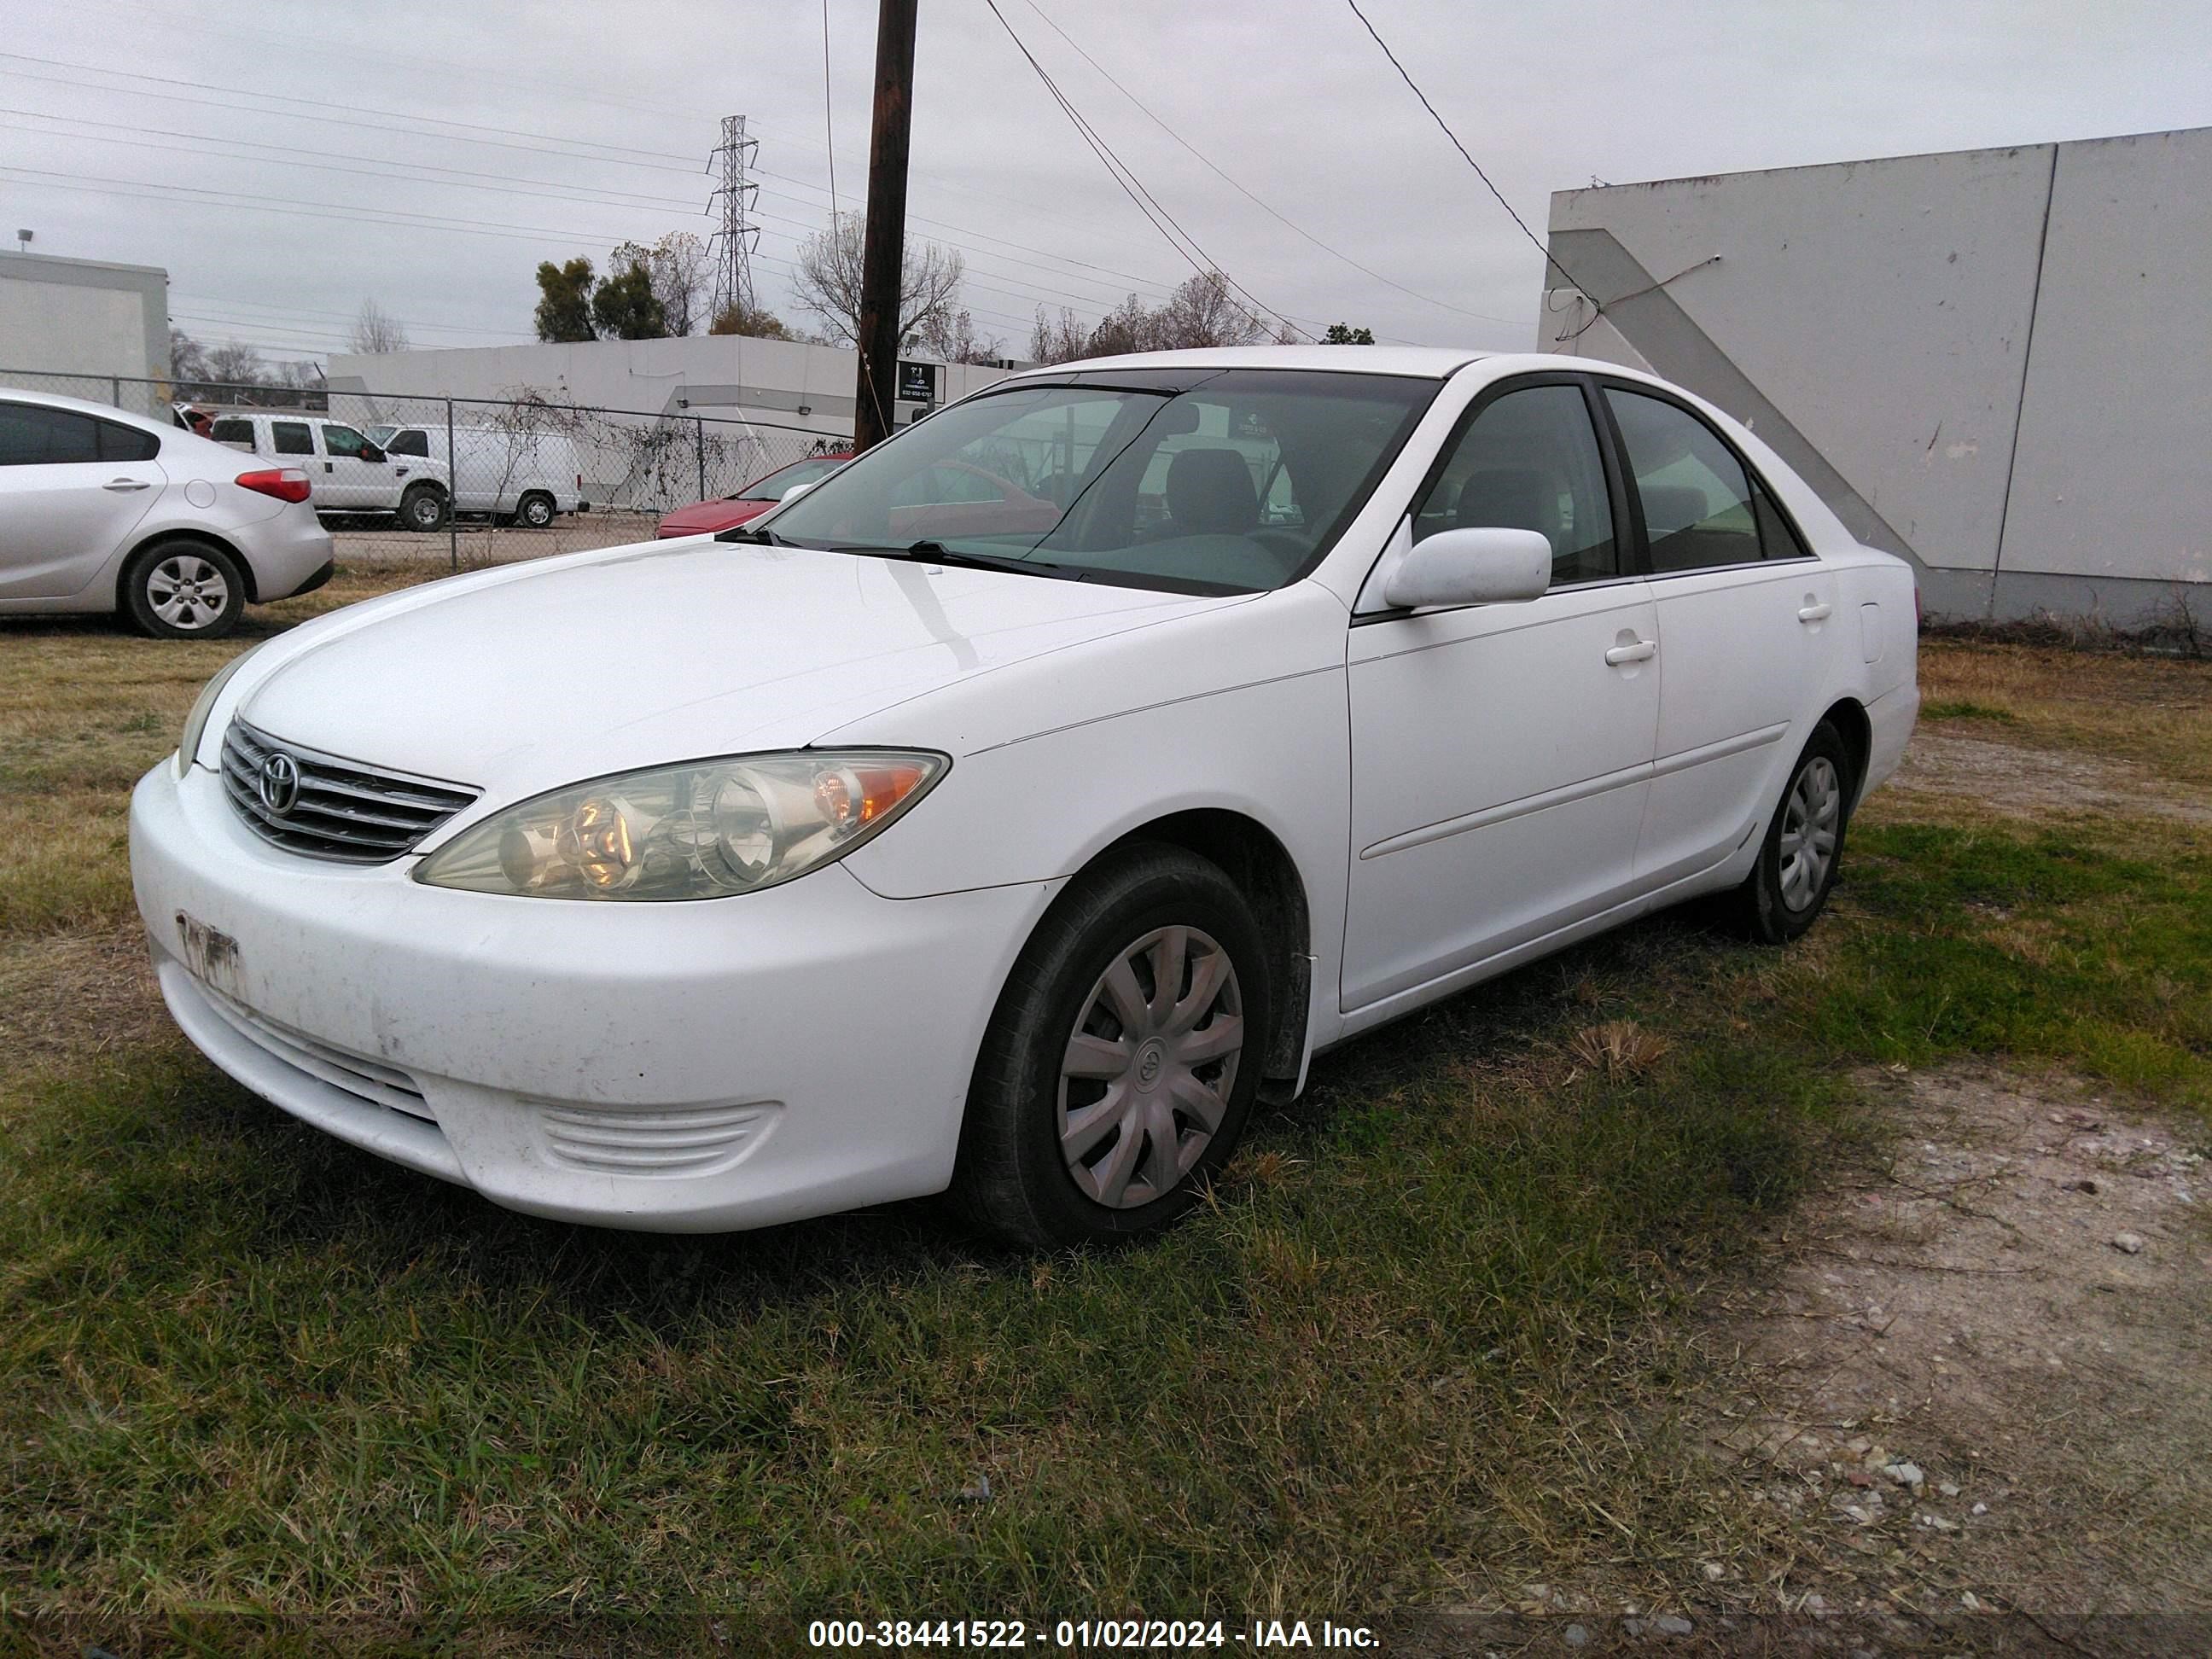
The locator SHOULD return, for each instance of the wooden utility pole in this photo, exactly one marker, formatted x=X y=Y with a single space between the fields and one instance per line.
x=884 y=251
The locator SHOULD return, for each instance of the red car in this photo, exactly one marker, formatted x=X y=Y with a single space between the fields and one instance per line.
x=727 y=512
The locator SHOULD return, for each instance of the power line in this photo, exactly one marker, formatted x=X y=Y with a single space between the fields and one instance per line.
x=828 y=123
x=1207 y=162
x=1456 y=145
x=292 y=207
x=1131 y=187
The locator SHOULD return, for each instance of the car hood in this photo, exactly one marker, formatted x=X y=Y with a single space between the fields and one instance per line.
x=657 y=653
x=704 y=518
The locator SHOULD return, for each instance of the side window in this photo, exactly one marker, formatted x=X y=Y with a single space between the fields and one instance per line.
x=292 y=437
x=1697 y=500
x=33 y=436
x=410 y=442
x=1531 y=462
x=126 y=443
x=1774 y=533
x=342 y=440
x=235 y=430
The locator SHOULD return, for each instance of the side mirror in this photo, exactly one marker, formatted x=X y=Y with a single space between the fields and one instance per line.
x=1472 y=567
x=797 y=491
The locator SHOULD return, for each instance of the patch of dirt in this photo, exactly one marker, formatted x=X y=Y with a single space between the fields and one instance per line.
x=2018 y=782
x=64 y=996
x=1981 y=1378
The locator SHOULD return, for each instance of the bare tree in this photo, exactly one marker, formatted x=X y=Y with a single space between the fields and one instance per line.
x=677 y=268
x=1057 y=339
x=828 y=282
x=1204 y=312
x=235 y=363
x=954 y=337
x=376 y=330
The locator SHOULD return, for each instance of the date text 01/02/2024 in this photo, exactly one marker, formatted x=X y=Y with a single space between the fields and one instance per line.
x=1087 y=1634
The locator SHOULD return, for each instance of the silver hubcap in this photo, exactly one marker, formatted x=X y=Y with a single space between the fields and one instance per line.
x=186 y=591
x=1151 y=1067
x=1810 y=819
x=537 y=514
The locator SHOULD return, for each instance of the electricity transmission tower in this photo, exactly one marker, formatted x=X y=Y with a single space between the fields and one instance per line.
x=734 y=238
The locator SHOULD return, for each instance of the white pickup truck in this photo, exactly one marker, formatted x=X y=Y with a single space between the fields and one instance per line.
x=347 y=473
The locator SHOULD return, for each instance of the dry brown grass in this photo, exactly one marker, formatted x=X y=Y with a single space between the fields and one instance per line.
x=2155 y=712
x=1618 y=1049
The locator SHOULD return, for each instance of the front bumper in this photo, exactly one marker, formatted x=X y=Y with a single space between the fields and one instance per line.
x=686 y=1067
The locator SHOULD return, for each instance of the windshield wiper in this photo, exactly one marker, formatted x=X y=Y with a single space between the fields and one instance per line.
x=758 y=537
x=931 y=552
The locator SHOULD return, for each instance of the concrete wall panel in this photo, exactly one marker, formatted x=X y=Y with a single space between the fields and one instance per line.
x=1882 y=307
x=2114 y=475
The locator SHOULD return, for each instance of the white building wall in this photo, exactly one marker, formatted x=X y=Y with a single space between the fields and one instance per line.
x=1893 y=326
x=722 y=375
x=84 y=317
x=2114 y=475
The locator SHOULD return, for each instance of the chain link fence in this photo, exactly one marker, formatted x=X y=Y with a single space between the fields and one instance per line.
x=464 y=482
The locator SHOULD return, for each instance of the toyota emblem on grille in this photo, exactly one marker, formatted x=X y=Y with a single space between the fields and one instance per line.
x=279 y=783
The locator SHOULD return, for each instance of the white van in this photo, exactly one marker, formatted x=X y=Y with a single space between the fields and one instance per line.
x=348 y=471
x=530 y=477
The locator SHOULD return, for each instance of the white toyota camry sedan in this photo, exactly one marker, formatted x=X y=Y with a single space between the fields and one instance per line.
x=1011 y=811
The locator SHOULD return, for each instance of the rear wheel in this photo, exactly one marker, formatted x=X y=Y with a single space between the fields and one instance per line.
x=534 y=511
x=184 y=590
x=423 y=508
x=1122 y=1058
x=1789 y=886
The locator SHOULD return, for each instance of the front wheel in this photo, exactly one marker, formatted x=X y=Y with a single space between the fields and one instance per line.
x=1790 y=885
x=1122 y=1058
x=424 y=509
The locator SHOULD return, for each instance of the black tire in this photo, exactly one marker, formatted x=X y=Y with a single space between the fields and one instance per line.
x=424 y=508
x=1011 y=1179
x=1768 y=907
x=535 y=511
x=182 y=589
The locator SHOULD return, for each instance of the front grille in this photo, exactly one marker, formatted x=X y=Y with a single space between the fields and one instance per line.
x=368 y=1079
x=343 y=809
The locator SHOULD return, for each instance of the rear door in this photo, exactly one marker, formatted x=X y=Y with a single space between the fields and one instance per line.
x=1747 y=624
x=72 y=489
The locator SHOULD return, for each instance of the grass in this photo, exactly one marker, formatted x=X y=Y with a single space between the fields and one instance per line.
x=2152 y=712
x=1421 y=1347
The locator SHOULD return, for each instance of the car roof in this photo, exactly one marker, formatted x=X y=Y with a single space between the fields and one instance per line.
x=1428 y=362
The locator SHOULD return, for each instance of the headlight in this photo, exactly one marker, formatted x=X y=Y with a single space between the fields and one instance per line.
x=203 y=706
x=704 y=830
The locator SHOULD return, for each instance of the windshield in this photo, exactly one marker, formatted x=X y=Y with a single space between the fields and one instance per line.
x=780 y=482
x=1204 y=481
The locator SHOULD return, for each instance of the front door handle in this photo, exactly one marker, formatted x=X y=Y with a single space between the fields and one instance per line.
x=1813 y=613
x=1640 y=651
x=327 y=467
x=126 y=483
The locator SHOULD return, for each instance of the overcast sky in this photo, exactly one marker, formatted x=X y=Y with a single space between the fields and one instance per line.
x=284 y=161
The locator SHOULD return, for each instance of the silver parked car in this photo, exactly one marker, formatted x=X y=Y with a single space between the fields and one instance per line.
x=101 y=510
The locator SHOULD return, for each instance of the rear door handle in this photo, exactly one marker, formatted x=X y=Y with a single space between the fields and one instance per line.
x=1813 y=613
x=126 y=483
x=1642 y=651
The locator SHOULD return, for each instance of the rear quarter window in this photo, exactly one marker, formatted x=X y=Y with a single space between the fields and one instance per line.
x=126 y=443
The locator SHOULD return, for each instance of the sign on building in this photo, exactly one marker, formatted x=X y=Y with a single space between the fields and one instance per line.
x=917 y=382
